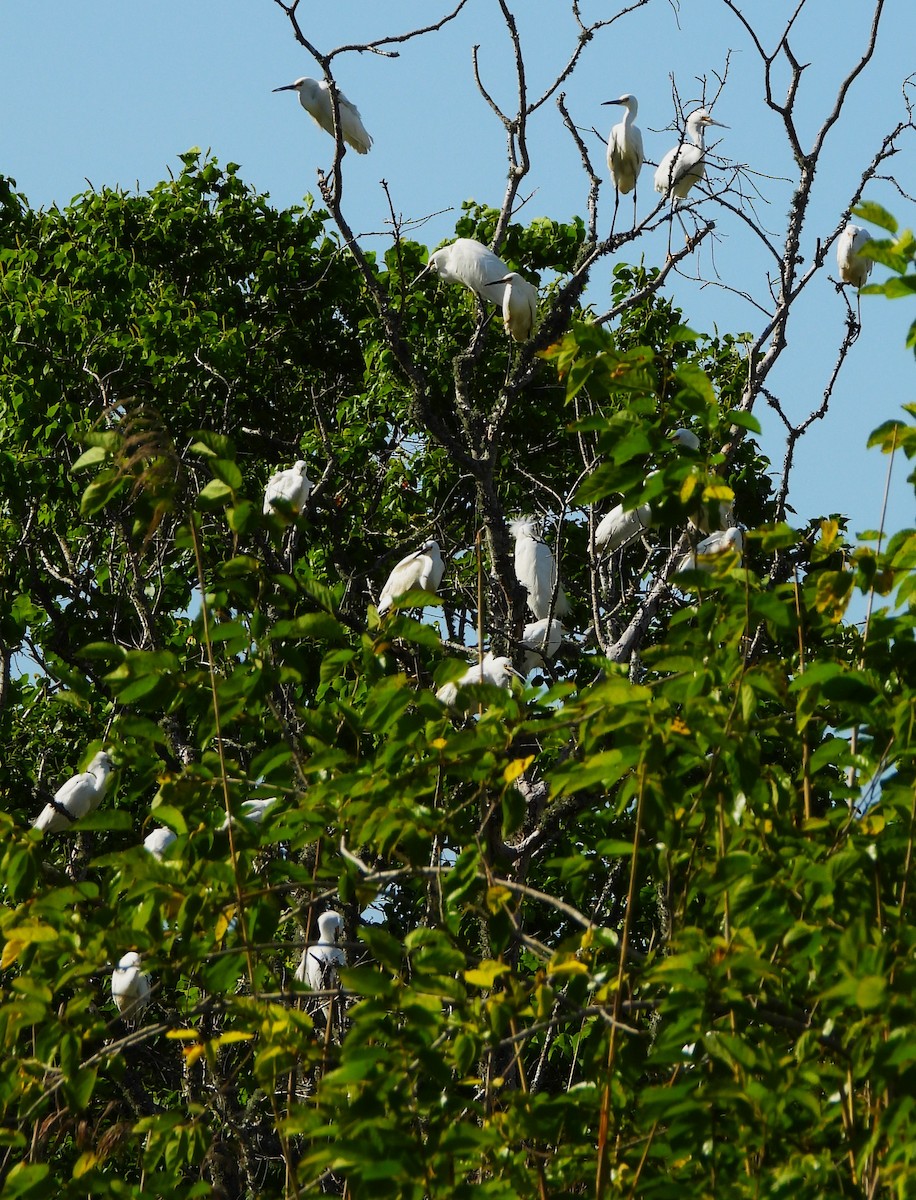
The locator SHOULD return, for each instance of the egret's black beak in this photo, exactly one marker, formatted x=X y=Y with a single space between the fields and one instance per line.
x=287 y=87
x=425 y=271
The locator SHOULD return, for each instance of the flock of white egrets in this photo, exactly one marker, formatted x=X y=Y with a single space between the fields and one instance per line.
x=472 y=264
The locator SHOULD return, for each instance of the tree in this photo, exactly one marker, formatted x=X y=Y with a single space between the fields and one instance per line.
x=636 y=927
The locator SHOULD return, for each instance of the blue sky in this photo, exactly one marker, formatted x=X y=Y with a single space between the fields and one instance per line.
x=112 y=92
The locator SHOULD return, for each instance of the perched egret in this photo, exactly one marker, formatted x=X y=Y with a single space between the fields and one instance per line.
x=315 y=98
x=471 y=263
x=80 y=795
x=498 y=672
x=713 y=550
x=541 y=640
x=686 y=438
x=684 y=166
x=320 y=962
x=158 y=841
x=287 y=491
x=621 y=525
x=423 y=569
x=625 y=155
x=251 y=811
x=853 y=268
x=129 y=986
x=536 y=569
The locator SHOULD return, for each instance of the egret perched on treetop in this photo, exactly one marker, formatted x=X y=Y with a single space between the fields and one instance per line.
x=288 y=491
x=625 y=155
x=315 y=98
x=498 y=672
x=685 y=165
x=471 y=263
x=129 y=986
x=536 y=569
x=81 y=794
x=422 y=569
x=853 y=268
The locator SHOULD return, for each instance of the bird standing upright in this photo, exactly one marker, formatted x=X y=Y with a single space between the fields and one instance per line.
x=315 y=98
x=129 y=986
x=852 y=267
x=320 y=962
x=625 y=155
x=288 y=491
x=470 y=262
x=685 y=165
x=80 y=795
x=422 y=569
x=536 y=569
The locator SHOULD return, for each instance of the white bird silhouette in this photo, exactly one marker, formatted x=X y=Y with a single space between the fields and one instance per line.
x=621 y=525
x=80 y=795
x=471 y=263
x=625 y=155
x=319 y=962
x=713 y=551
x=288 y=491
x=251 y=811
x=540 y=641
x=129 y=986
x=498 y=672
x=315 y=98
x=686 y=438
x=853 y=268
x=423 y=569
x=158 y=841
x=536 y=569
x=685 y=165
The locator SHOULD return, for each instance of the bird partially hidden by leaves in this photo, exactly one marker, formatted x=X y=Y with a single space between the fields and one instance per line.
x=78 y=797
x=536 y=569
x=315 y=98
x=422 y=570
x=158 y=841
x=541 y=640
x=287 y=492
x=252 y=811
x=320 y=964
x=130 y=987
x=496 y=671
x=721 y=548
x=470 y=262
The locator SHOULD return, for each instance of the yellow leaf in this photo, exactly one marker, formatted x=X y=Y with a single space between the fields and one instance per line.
x=223 y=922
x=182 y=1034
x=484 y=975
x=679 y=726
x=193 y=1053
x=11 y=952
x=718 y=491
x=438 y=743
x=517 y=767
x=85 y=1163
x=872 y=823
x=688 y=487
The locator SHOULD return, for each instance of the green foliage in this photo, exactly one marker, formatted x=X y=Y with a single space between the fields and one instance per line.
x=650 y=906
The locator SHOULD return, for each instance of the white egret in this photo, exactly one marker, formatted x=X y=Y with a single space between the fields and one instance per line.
x=621 y=525
x=288 y=491
x=80 y=795
x=470 y=262
x=685 y=165
x=853 y=268
x=686 y=438
x=422 y=569
x=536 y=569
x=541 y=640
x=251 y=811
x=315 y=98
x=711 y=552
x=321 y=962
x=129 y=986
x=158 y=841
x=498 y=672
x=625 y=155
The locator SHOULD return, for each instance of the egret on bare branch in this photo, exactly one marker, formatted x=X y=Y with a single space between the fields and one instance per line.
x=471 y=263
x=315 y=98
x=625 y=155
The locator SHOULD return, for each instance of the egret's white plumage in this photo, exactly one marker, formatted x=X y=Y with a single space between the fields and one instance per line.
x=422 y=569
x=129 y=986
x=625 y=155
x=496 y=671
x=470 y=262
x=852 y=267
x=80 y=795
x=621 y=525
x=686 y=438
x=536 y=569
x=541 y=640
x=712 y=551
x=319 y=964
x=315 y=98
x=252 y=811
x=158 y=841
x=288 y=491
x=685 y=165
